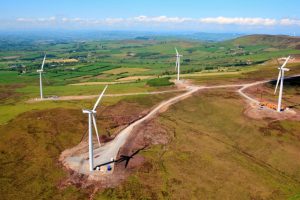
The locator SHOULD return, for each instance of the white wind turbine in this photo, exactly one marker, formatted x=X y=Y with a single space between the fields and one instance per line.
x=41 y=71
x=177 y=64
x=280 y=79
x=92 y=120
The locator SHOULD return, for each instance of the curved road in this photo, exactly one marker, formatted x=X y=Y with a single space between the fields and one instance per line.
x=110 y=150
x=245 y=86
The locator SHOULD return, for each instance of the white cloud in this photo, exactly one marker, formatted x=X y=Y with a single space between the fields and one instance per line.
x=24 y=20
x=239 y=21
x=114 y=20
x=164 y=20
x=35 y=20
x=289 y=22
x=68 y=20
x=160 y=19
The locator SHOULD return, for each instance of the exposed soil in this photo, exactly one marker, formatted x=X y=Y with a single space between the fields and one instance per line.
x=257 y=112
x=120 y=114
x=295 y=60
x=111 y=121
x=116 y=116
x=146 y=134
x=140 y=133
x=265 y=93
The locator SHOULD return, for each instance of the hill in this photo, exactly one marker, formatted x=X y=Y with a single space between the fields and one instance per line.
x=277 y=41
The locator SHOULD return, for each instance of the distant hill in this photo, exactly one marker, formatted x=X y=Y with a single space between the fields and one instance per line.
x=278 y=41
x=199 y=36
x=214 y=37
x=79 y=35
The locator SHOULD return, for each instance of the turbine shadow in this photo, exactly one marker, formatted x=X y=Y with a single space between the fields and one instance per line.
x=295 y=105
x=123 y=158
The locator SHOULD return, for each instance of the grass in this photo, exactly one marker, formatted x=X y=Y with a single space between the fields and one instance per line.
x=245 y=74
x=123 y=70
x=157 y=82
x=66 y=90
x=29 y=168
x=10 y=77
x=296 y=197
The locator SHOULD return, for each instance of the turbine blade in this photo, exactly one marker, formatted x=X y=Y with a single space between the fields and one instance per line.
x=96 y=130
x=100 y=97
x=278 y=80
x=285 y=62
x=176 y=51
x=43 y=62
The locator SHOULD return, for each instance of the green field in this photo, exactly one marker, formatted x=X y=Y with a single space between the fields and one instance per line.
x=214 y=151
x=97 y=58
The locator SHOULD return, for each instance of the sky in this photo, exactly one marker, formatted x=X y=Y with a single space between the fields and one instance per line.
x=240 y=16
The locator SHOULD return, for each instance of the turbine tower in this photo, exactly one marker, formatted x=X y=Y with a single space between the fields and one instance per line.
x=177 y=64
x=91 y=122
x=41 y=71
x=280 y=79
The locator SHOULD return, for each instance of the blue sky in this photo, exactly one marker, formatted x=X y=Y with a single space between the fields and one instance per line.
x=269 y=16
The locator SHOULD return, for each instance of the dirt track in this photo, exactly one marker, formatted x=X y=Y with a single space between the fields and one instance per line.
x=79 y=162
x=110 y=150
x=241 y=91
x=82 y=97
x=245 y=86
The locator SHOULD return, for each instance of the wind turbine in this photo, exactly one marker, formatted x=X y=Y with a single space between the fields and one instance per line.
x=92 y=120
x=177 y=63
x=41 y=71
x=280 y=79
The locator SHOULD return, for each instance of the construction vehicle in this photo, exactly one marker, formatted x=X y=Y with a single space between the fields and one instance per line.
x=271 y=105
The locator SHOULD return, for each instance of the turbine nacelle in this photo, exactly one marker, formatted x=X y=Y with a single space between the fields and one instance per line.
x=39 y=70
x=86 y=111
x=284 y=69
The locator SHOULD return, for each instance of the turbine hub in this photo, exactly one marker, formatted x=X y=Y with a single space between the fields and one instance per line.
x=88 y=111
